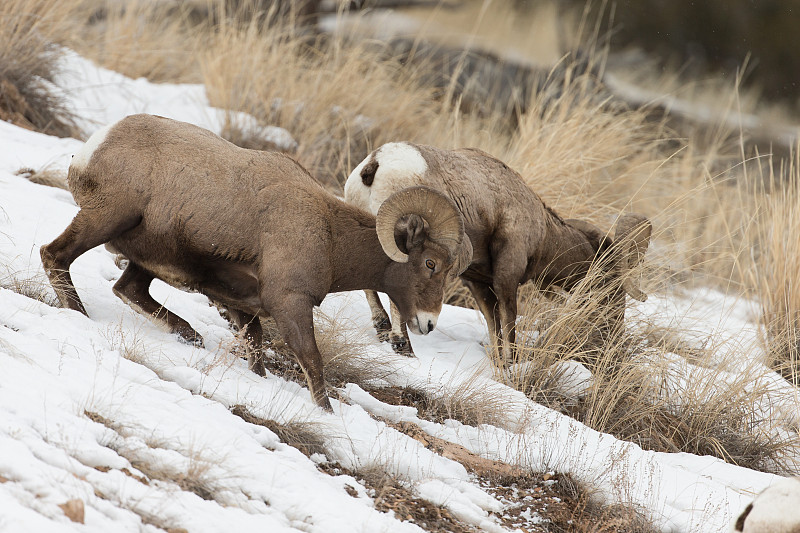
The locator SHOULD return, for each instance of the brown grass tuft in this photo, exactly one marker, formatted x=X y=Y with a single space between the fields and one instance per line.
x=339 y=97
x=29 y=31
x=390 y=495
x=779 y=290
x=34 y=286
x=305 y=436
x=141 y=38
x=632 y=393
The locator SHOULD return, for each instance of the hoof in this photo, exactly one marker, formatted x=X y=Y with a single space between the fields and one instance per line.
x=402 y=346
x=257 y=366
x=191 y=337
x=325 y=403
x=383 y=327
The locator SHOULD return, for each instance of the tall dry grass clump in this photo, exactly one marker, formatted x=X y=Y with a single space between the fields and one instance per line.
x=779 y=279
x=338 y=96
x=141 y=38
x=645 y=385
x=29 y=31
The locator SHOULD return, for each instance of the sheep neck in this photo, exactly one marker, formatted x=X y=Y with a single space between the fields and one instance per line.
x=563 y=258
x=359 y=261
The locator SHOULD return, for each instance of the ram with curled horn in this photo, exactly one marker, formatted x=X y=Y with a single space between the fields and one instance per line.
x=252 y=230
x=513 y=236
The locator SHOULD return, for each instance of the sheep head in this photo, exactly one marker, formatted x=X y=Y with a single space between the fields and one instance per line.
x=622 y=253
x=631 y=239
x=422 y=231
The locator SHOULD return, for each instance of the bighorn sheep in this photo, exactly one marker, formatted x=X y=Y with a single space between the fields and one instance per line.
x=514 y=236
x=252 y=230
x=775 y=510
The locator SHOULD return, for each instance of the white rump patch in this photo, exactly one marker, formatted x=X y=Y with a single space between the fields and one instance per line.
x=81 y=159
x=355 y=192
x=776 y=509
x=400 y=165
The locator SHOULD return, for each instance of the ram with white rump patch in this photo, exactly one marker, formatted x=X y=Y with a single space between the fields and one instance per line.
x=514 y=236
x=775 y=510
x=252 y=230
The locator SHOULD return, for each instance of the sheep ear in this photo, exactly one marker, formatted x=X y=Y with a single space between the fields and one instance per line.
x=410 y=231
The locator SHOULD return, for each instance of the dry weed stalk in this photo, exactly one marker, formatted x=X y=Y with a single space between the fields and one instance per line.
x=32 y=285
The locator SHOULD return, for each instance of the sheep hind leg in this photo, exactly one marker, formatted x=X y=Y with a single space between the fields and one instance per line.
x=253 y=332
x=133 y=288
x=380 y=320
x=399 y=337
x=89 y=228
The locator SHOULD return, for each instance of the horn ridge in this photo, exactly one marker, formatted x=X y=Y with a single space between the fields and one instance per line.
x=446 y=226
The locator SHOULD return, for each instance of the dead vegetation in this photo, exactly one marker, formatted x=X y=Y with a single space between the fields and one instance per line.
x=721 y=218
x=29 y=31
x=632 y=394
x=306 y=437
x=391 y=495
x=32 y=285
x=195 y=477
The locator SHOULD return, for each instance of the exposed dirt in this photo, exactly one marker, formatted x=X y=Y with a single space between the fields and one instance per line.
x=390 y=495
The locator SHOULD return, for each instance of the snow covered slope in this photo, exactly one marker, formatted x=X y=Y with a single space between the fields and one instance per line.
x=116 y=412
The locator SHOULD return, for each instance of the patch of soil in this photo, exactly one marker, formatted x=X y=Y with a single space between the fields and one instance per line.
x=390 y=495
x=530 y=503
x=426 y=408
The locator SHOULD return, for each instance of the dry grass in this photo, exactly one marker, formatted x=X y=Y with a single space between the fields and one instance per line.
x=142 y=38
x=391 y=495
x=193 y=476
x=337 y=96
x=637 y=391
x=721 y=217
x=305 y=436
x=32 y=285
x=29 y=31
x=556 y=503
x=779 y=292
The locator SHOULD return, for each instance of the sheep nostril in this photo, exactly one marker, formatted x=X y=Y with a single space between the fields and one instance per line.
x=430 y=326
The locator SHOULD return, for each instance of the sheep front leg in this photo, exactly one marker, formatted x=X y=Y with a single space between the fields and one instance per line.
x=487 y=303
x=295 y=321
x=379 y=317
x=399 y=338
x=394 y=331
x=507 y=307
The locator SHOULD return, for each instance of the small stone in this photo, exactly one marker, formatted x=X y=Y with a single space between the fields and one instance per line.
x=74 y=510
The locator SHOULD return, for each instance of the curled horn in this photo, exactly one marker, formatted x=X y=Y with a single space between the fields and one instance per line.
x=632 y=236
x=464 y=257
x=445 y=225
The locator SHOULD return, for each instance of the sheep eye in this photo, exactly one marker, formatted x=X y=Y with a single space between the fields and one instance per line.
x=430 y=264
